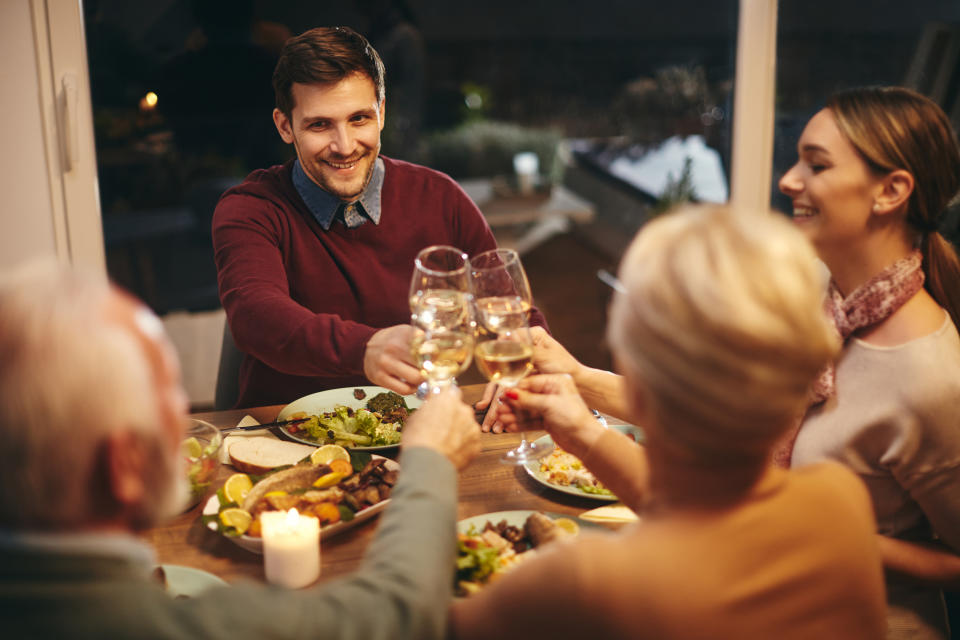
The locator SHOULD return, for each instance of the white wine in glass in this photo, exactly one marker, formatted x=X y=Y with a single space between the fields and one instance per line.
x=504 y=350
x=442 y=355
x=439 y=293
x=499 y=313
x=504 y=361
x=436 y=309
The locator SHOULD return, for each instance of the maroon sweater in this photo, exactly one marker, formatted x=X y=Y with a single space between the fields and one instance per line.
x=302 y=302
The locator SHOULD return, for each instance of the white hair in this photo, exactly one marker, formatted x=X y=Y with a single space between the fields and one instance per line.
x=68 y=378
x=721 y=322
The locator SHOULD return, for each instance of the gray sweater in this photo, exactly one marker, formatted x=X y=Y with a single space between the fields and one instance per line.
x=402 y=590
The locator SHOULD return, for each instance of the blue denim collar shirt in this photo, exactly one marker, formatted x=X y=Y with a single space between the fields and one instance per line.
x=327 y=207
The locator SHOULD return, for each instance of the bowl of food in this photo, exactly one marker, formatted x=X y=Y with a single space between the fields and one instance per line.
x=201 y=452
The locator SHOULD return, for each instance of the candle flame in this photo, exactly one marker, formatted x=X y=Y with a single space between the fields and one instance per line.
x=293 y=518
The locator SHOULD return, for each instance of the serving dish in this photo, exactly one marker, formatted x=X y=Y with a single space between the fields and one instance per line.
x=255 y=544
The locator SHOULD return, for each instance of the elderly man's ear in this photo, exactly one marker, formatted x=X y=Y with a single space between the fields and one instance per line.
x=127 y=456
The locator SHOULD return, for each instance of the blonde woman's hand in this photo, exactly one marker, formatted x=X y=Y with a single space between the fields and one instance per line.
x=549 y=356
x=550 y=402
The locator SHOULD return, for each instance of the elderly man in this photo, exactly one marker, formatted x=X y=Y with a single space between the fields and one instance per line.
x=315 y=256
x=91 y=417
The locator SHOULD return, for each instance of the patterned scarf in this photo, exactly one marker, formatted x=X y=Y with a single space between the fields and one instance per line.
x=868 y=305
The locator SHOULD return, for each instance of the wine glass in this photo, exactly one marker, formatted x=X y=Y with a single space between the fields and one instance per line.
x=504 y=349
x=439 y=301
x=496 y=279
x=439 y=288
x=442 y=354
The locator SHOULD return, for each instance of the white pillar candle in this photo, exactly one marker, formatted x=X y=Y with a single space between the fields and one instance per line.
x=291 y=548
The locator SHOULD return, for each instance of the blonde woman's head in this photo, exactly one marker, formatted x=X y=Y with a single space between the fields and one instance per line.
x=721 y=325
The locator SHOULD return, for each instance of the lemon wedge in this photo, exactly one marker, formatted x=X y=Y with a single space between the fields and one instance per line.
x=328 y=480
x=328 y=453
x=237 y=487
x=239 y=519
x=568 y=526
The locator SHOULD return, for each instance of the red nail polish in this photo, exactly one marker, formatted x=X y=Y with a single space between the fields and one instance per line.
x=511 y=394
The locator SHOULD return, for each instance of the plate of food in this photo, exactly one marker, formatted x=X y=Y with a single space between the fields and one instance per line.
x=563 y=471
x=365 y=418
x=493 y=543
x=341 y=488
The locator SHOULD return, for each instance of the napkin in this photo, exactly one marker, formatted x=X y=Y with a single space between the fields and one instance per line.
x=610 y=513
x=247 y=421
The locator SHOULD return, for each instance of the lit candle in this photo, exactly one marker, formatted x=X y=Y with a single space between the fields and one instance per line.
x=291 y=548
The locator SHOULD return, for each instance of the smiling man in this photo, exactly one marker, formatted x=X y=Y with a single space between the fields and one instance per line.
x=315 y=256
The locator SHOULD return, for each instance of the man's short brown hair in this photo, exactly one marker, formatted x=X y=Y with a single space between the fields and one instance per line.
x=324 y=55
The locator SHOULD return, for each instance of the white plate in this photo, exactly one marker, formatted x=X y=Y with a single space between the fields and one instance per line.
x=324 y=401
x=516 y=518
x=189 y=582
x=532 y=467
x=250 y=543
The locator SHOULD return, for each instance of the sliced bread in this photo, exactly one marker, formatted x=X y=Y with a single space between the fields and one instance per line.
x=260 y=454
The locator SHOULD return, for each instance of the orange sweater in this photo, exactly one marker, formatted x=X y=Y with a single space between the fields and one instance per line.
x=796 y=559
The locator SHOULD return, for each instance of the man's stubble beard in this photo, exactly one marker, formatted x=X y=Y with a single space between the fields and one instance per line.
x=317 y=180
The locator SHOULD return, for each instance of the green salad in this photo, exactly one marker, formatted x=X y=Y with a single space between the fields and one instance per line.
x=348 y=427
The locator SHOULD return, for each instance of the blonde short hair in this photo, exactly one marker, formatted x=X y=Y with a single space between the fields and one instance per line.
x=721 y=320
x=68 y=378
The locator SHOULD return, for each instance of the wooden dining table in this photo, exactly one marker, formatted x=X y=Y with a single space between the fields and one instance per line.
x=486 y=485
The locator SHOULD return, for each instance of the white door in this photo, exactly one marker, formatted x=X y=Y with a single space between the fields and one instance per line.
x=48 y=168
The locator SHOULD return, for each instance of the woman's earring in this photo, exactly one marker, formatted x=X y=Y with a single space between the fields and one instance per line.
x=876 y=207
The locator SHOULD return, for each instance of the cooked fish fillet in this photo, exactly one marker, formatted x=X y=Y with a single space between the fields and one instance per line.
x=298 y=477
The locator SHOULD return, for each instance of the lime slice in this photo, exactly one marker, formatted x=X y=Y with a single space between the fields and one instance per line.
x=191 y=448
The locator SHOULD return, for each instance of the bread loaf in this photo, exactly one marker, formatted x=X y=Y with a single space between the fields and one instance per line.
x=260 y=454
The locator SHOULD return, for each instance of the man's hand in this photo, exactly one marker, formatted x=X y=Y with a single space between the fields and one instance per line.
x=387 y=361
x=446 y=425
x=490 y=401
x=550 y=402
